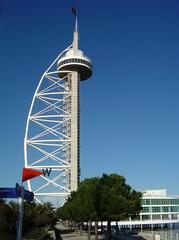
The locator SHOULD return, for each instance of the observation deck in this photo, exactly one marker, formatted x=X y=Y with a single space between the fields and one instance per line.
x=75 y=61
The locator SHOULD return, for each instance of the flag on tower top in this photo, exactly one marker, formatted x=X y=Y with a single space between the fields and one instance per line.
x=28 y=173
x=74 y=11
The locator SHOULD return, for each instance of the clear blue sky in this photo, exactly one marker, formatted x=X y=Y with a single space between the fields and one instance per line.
x=130 y=106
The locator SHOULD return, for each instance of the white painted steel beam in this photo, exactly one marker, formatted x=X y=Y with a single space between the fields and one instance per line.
x=47 y=143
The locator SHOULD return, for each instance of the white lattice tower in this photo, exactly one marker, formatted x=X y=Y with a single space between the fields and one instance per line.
x=52 y=131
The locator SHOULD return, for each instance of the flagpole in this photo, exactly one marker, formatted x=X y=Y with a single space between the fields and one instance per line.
x=21 y=209
x=26 y=175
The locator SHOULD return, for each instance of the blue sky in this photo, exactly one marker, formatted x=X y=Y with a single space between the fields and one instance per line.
x=129 y=108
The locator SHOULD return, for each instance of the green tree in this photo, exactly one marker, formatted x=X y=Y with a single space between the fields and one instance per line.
x=8 y=216
x=12 y=220
x=82 y=205
x=88 y=192
x=117 y=199
x=38 y=217
x=108 y=198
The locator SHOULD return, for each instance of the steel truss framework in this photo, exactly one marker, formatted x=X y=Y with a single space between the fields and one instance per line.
x=47 y=143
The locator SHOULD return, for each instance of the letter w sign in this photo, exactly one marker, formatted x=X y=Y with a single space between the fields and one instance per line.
x=46 y=171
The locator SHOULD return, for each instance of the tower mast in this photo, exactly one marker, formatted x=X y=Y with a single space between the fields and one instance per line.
x=75 y=34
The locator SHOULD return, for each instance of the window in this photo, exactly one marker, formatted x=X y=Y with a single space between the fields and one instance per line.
x=155 y=217
x=145 y=209
x=165 y=217
x=155 y=209
x=145 y=201
x=175 y=209
x=165 y=209
x=145 y=217
x=75 y=60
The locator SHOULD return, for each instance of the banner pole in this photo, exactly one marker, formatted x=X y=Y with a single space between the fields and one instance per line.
x=21 y=209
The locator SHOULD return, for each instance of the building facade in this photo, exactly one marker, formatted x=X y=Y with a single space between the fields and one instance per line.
x=158 y=210
x=158 y=206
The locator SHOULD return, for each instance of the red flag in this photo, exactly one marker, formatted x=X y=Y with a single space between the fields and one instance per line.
x=29 y=173
x=74 y=11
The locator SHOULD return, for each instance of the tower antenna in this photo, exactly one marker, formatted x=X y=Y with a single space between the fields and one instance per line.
x=74 y=11
x=75 y=34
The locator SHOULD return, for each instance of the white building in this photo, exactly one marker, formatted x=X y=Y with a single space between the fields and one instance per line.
x=158 y=210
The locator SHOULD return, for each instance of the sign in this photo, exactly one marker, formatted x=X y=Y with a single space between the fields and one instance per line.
x=8 y=193
x=29 y=196
x=16 y=193
x=46 y=171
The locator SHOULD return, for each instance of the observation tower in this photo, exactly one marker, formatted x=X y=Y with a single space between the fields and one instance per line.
x=52 y=137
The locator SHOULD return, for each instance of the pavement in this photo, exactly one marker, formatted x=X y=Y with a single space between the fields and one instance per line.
x=63 y=233
x=76 y=236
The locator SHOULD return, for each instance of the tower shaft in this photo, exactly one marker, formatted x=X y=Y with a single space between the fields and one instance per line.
x=75 y=42
x=75 y=137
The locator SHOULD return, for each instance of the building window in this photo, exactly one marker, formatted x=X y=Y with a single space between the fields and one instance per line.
x=165 y=217
x=165 y=209
x=155 y=217
x=175 y=209
x=174 y=216
x=145 y=209
x=145 y=201
x=155 y=209
x=145 y=217
x=75 y=60
x=158 y=201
